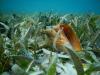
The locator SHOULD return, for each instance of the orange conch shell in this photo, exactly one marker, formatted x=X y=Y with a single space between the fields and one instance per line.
x=66 y=37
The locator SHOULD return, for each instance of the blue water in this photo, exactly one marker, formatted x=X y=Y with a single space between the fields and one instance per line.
x=62 y=6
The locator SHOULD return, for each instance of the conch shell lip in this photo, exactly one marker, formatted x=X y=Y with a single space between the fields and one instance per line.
x=71 y=36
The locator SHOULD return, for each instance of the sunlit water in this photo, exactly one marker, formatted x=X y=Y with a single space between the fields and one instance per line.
x=61 y=6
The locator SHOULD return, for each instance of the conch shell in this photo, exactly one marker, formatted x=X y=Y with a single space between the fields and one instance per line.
x=63 y=35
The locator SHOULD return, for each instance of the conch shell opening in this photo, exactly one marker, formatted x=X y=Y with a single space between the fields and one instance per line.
x=71 y=36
